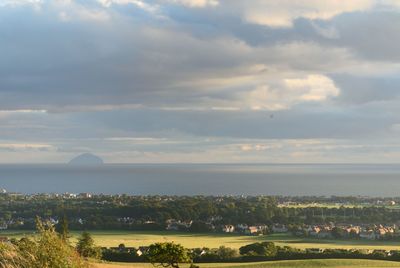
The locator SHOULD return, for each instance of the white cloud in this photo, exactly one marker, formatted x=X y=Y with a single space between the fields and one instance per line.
x=259 y=147
x=282 y=13
x=26 y=147
x=20 y=2
x=92 y=15
x=7 y=113
x=195 y=3
x=140 y=4
x=313 y=87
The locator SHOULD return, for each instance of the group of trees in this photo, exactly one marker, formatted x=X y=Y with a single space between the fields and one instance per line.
x=169 y=254
x=151 y=212
x=134 y=212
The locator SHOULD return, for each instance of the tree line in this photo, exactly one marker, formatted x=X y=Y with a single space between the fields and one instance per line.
x=152 y=212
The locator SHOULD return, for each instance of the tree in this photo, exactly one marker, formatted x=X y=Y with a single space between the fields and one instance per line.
x=267 y=249
x=167 y=254
x=62 y=228
x=199 y=227
x=336 y=232
x=122 y=247
x=225 y=253
x=86 y=247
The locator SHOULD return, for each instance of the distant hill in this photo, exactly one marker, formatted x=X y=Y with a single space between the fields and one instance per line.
x=86 y=159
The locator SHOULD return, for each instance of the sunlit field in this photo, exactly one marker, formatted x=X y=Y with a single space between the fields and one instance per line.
x=190 y=240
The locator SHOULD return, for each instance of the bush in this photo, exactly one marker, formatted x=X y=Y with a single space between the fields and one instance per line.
x=46 y=250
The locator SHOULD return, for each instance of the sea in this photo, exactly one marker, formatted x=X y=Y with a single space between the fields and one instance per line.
x=205 y=179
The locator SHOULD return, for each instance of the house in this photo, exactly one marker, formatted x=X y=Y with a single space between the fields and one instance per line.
x=228 y=228
x=174 y=225
x=252 y=230
x=368 y=234
x=241 y=228
x=324 y=234
x=279 y=228
x=142 y=250
x=214 y=219
x=314 y=250
x=382 y=231
x=313 y=231
x=69 y=195
x=352 y=230
x=85 y=195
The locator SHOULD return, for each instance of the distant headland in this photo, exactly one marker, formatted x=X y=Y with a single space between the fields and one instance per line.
x=86 y=159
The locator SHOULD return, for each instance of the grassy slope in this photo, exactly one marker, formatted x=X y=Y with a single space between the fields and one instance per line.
x=334 y=263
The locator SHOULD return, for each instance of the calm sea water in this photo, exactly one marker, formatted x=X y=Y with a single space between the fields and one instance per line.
x=218 y=179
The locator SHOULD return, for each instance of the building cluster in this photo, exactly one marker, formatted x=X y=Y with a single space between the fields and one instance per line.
x=12 y=223
x=364 y=231
x=177 y=225
x=327 y=231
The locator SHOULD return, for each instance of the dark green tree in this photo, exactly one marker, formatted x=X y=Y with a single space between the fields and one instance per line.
x=62 y=228
x=167 y=254
x=267 y=249
x=86 y=246
x=199 y=227
x=225 y=253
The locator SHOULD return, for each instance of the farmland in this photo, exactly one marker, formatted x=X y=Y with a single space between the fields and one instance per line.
x=213 y=240
x=190 y=240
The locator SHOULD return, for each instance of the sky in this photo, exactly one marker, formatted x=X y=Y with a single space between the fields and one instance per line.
x=200 y=81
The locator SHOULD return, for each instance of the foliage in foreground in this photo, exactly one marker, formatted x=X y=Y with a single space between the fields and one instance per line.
x=46 y=250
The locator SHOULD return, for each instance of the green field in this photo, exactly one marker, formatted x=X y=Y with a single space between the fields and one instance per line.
x=333 y=263
x=135 y=239
x=189 y=240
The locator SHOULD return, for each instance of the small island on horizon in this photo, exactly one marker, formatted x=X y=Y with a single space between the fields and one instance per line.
x=86 y=159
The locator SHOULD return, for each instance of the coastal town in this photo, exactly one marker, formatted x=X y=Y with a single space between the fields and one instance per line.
x=321 y=218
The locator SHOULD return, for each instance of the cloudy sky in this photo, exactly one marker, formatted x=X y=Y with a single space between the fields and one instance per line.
x=200 y=80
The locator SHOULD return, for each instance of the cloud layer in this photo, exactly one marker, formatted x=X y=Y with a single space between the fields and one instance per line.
x=199 y=80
